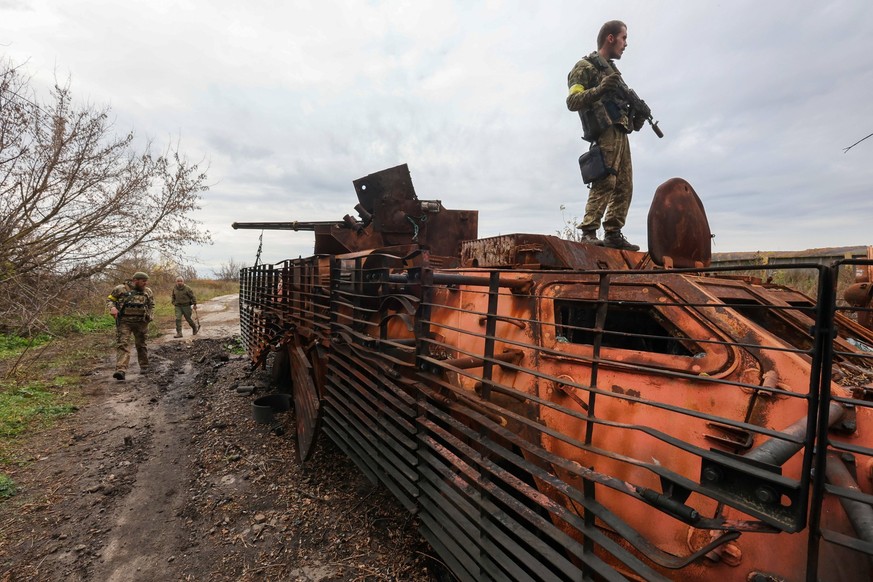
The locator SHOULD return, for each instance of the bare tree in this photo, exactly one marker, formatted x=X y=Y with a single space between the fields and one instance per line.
x=162 y=271
x=229 y=271
x=76 y=198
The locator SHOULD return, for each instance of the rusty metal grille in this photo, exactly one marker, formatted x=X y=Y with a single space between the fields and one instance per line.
x=372 y=420
x=842 y=466
x=257 y=310
x=586 y=410
x=369 y=407
x=481 y=510
x=303 y=297
x=590 y=425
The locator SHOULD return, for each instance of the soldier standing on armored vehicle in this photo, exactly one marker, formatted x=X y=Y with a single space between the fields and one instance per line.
x=132 y=305
x=597 y=93
x=184 y=300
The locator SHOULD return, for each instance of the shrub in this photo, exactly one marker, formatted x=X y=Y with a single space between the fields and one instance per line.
x=7 y=486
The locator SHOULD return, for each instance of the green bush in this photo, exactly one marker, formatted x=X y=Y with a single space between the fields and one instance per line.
x=236 y=346
x=7 y=486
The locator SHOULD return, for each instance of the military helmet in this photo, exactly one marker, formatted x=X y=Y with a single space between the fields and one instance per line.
x=140 y=275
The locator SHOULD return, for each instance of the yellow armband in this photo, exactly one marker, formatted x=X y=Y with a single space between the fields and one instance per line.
x=577 y=88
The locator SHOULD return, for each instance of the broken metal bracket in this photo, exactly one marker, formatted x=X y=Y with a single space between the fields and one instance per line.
x=756 y=488
x=732 y=437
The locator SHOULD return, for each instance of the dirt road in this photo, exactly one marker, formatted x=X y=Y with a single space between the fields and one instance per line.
x=166 y=477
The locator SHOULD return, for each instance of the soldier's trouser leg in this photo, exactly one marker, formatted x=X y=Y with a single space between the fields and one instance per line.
x=140 y=330
x=622 y=193
x=611 y=194
x=122 y=345
x=183 y=311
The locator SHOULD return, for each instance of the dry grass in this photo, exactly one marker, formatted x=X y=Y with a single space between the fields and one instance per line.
x=204 y=290
x=40 y=380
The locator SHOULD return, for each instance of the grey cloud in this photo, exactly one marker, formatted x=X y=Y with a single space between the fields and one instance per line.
x=22 y=5
x=236 y=148
x=290 y=103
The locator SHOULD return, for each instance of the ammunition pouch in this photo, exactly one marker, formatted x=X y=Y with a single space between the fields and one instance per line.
x=599 y=117
x=593 y=166
x=134 y=306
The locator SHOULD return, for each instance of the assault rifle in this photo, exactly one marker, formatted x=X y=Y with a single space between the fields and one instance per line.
x=639 y=107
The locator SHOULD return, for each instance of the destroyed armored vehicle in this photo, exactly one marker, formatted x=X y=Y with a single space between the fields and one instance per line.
x=553 y=410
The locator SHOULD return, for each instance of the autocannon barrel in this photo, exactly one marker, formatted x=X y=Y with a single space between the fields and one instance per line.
x=294 y=225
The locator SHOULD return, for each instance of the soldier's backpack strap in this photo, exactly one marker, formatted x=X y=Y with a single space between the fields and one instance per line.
x=597 y=63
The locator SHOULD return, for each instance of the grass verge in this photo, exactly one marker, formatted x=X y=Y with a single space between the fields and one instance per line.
x=40 y=378
x=13 y=345
x=32 y=404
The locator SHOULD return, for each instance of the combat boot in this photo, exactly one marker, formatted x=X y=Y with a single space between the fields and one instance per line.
x=118 y=375
x=178 y=334
x=589 y=235
x=615 y=240
x=196 y=328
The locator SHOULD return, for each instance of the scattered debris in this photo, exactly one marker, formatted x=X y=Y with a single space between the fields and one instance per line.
x=212 y=495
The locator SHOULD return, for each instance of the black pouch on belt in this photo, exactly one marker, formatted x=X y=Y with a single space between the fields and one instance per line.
x=593 y=166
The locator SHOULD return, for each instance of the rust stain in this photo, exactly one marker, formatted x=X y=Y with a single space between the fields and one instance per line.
x=627 y=391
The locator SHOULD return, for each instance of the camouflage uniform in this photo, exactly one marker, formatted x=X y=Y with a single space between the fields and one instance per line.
x=613 y=193
x=135 y=311
x=183 y=300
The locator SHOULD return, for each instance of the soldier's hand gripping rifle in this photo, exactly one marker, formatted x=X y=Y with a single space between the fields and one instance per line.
x=638 y=107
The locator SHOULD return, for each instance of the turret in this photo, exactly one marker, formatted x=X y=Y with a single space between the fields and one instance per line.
x=389 y=214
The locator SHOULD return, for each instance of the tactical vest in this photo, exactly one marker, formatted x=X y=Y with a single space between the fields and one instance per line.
x=607 y=111
x=134 y=305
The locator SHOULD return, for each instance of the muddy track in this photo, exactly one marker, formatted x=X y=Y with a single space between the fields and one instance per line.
x=167 y=477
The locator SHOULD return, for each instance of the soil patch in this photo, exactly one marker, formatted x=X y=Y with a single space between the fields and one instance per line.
x=166 y=476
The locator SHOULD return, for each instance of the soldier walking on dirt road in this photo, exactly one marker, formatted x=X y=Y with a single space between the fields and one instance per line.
x=132 y=304
x=184 y=301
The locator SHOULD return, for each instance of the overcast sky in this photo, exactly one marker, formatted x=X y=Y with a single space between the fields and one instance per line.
x=288 y=102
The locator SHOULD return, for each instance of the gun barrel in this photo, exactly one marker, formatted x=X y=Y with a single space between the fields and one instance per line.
x=294 y=225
